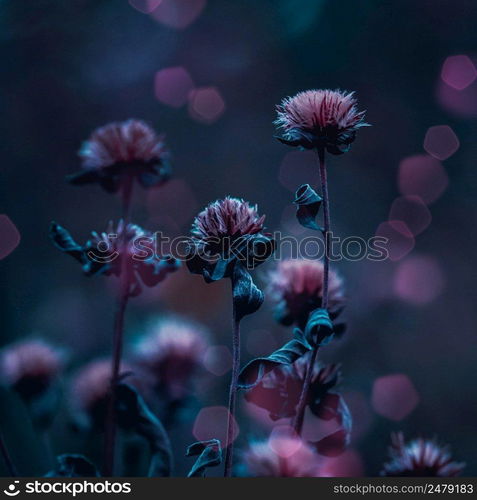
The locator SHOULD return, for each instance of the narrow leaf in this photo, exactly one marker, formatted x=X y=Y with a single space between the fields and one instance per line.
x=254 y=371
x=210 y=455
x=308 y=203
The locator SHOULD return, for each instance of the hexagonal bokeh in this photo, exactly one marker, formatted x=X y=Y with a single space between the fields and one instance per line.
x=441 y=142
x=458 y=71
x=394 y=396
x=172 y=86
x=10 y=236
x=211 y=422
x=206 y=104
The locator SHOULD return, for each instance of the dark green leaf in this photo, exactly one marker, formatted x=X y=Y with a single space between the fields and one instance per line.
x=134 y=414
x=308 y=205
x=254 y=371
x=246 y=296
x=73 y=466
x=210 y=455
x=319 y=328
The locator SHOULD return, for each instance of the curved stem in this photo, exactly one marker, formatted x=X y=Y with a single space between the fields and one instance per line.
x=118 y=334
x=300 y=411
x=232 y=397
x=7 y=458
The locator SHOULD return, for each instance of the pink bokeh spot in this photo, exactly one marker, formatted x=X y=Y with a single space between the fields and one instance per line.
x=206 y=104
x=423 y=176
x=419 y=280
x=9 y=236
x=348 y=464
x=412 y=211
x=394 y=396
x=298 y=167
x=400 y=240
x=458 y=72
x=441 y=142
x=284 y=441
x=172 y=86
x=218 y=360
x=462 y=103
x=178 y=14
x=211 y=422
x=144 y=6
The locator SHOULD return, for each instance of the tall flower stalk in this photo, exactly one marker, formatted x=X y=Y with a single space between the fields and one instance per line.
x=298 y=421
x=322 y=120
x=115 y=156
x=227 y=241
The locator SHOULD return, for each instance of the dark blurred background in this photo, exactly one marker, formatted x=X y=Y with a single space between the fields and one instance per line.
x=208 y=73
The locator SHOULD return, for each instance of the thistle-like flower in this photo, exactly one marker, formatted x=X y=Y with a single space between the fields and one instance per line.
x=30 y=367
x=285 y=457
x=101 y=254
x=279 y=391
x=225 y=232
x=321 y=119
x=296 y=285
x=419 y=458
x=123 y=149
x=172 y=351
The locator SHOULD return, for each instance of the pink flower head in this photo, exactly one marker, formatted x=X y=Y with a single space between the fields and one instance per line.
x=281 y=457
x=123 y=149
x=228 y=230
x=91 y=387
x=419 y=458
x=102 y=253
x=230 y=217
x=171 y=351
x=320 y=119
x=30 y=367
x=296 y=285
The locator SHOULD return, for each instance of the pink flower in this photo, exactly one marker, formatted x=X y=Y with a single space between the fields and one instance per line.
x=230 y=217
x=320 y=119
x=30 y=367
x=419 y=458
x=225 y=232
x=296 y=285
x=123 y=149
x=172 y=351
x=281 y=457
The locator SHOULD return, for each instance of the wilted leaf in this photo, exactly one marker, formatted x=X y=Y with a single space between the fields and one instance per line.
x=134 y=414
x=64 y=241
x=308 y=203
x=246 y=295
x=254 y=371
x=210 y=455
x=319 y=328
x=73 y=466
